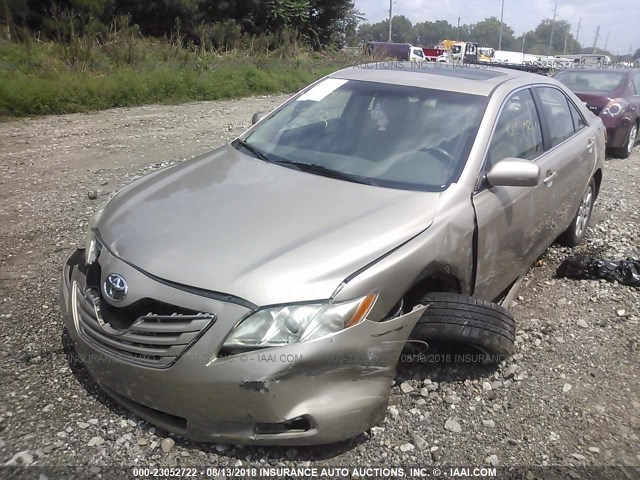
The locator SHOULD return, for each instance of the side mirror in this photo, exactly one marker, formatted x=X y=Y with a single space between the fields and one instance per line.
x=514 y=172
x=257 y=117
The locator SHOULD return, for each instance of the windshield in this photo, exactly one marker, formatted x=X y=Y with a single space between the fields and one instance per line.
x=595 y=82
x=374 y=133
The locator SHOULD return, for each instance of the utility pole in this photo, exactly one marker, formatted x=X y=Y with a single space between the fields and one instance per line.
x=390 y=17
x=553 y=22
x=7 y=19
x=500 y=38
x=458 y=32
x=578 y=31
x=595 y=40
x=606 y=42
x=566 y=37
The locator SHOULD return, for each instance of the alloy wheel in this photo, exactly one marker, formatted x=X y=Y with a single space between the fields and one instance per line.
x=584 y=212
x=632 y=138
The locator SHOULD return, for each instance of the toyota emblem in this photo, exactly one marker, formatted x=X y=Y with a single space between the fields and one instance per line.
x=115 y=287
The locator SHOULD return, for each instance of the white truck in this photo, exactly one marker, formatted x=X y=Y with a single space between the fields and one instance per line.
x=469 y=53
x=399 y=51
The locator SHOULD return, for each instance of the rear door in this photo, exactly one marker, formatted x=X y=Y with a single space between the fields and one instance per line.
x=570 y=157
x=513 y=222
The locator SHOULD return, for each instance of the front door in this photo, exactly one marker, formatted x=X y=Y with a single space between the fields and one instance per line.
x=513 y=222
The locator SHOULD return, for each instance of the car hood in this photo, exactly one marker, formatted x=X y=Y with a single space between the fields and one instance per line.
x=594 y=101
x=230 y=223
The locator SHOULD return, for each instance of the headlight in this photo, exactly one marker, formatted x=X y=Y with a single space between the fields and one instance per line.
x=614 y=107
x=279 y=326
x=91 y=246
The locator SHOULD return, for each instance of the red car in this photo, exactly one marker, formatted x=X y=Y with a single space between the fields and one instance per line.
x=613 y=95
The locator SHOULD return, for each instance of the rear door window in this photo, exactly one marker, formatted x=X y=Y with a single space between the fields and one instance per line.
x=578 y=120
x=555 y=110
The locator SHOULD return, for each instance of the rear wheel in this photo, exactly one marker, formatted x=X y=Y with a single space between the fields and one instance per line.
x=578 y=228
x=627 y=148
x=460 y=321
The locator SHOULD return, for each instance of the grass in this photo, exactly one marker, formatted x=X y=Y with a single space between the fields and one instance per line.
x=40 y=78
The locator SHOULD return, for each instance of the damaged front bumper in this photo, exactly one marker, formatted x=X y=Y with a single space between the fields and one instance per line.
x=314 y=392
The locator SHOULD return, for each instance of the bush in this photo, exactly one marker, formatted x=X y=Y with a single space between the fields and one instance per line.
x=123 y=68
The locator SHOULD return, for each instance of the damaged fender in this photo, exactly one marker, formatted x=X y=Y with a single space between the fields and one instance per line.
x=341 y=382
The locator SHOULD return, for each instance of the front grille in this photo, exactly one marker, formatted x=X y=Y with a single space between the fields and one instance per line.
x=152 y=340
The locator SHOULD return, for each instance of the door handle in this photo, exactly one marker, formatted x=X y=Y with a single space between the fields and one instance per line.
x=590 y=144
x=549 y=178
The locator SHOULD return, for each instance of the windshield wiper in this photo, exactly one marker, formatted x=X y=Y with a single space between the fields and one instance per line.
x=321 y=170
x=247 y=146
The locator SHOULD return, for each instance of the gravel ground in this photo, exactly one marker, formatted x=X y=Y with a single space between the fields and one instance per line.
x=569 y=396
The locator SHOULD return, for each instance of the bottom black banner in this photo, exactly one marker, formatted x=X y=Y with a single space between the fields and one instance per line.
x=82 y=472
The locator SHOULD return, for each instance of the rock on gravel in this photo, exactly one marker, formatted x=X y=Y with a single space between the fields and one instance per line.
x=167 y=444
x=452 y=425
x=95 y=441
x=419 y=442
x=489 y=423
x=406 y=387
x=21 y=458
x=491 y=460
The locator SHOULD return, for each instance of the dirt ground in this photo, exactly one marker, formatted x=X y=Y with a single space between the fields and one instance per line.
x=569 y=396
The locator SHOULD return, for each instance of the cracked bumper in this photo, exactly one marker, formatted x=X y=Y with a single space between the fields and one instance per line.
x=315 y=392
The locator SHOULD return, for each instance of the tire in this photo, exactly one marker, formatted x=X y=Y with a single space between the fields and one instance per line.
x=630 y=142
x=573 y=235
x=458 y=320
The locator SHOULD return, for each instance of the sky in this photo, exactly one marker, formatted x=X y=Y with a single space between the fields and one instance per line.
x=620 y=19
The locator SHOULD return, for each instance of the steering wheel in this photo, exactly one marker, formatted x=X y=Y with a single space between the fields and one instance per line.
x=442 y=156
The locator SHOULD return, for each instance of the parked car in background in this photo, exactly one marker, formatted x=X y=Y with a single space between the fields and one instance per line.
x=434 y=54
x=263 y=292
x=589 y=60
x=613 y=95
x=398 y=51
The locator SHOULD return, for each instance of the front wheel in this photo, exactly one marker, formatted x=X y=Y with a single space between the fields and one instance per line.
x=466 y=322
x=578 y=228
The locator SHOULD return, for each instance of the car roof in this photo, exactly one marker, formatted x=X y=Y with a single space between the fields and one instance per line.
x=474 y=79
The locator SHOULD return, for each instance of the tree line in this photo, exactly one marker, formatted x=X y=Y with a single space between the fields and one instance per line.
x=222 y=23
x=485 y=32
x=321 y=23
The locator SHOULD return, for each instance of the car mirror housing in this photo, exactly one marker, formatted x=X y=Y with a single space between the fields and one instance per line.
x=257 y=117
x=514 y=172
